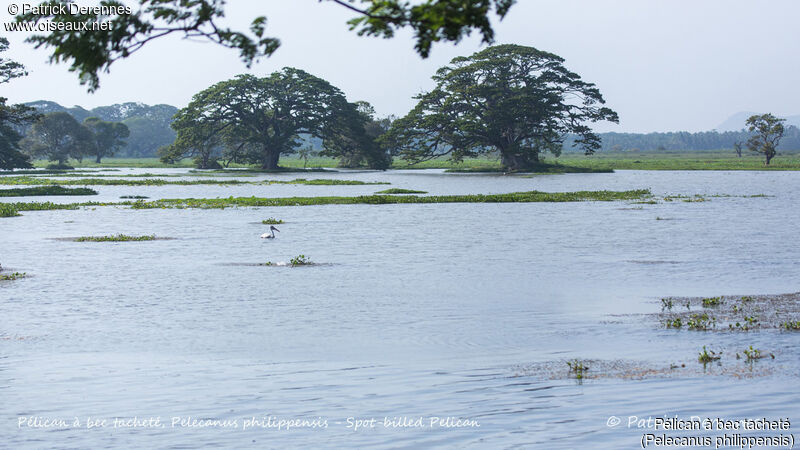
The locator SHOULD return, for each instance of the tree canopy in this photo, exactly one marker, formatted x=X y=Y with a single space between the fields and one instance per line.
x=767 y=131
x=89 y=53
x=259 y=119
x=12 y=117
x=518 y=101
x=58 y=136
x=108 y=136
x=352 y=136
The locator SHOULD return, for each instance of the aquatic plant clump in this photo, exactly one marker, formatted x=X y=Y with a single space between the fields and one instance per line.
x=45 y=190
x=300 y=260
x=707 y=356
x=115 y=238
x=577 y=367
x=400 y=191
x=272 y=221
x=514 y=197
x=8 y=210
x=12 y=276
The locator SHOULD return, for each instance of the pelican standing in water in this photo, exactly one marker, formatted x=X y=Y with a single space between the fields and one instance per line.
x=271 y=234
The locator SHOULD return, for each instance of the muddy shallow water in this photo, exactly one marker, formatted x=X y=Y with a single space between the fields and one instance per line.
x=464 y=311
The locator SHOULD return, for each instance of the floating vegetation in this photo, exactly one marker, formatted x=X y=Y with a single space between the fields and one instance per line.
x=300 y=260
x=272 y=221
x=8 y=210
x=45 y=190
x=115 y=238
x=515 y=197
x=701 y=322
x=707 y=356
x=791 y=326
x=674 y=323
x=45 y=206
x=577 y=368
x=539 y=168
x=666 y=304
x=28 y=180
x=400 y=191
x=328 y=182
x=12 y=276
x=753 y=354
x=136 y=197
x=734 y=313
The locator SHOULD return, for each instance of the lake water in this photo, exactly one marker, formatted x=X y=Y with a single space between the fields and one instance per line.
x=416 y=311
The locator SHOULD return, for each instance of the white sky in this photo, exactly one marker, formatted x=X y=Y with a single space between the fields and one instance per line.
x=662 y=65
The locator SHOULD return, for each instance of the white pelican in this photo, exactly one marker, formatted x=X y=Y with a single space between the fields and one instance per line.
x=271 y=234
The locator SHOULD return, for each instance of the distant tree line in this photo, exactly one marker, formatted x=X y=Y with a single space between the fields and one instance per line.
x=683 y=140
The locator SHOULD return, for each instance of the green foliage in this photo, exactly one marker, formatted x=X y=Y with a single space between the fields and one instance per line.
x=12 y=276
x=791 y=326
x=12 y=117
x=400 y=191
x=767 y=131
x=136 y=197
x=577 y=368
x=515 y=197
x=674 y=323
x=707 y=356
x=710 y=302
x=257 y=119
x=753 y=354
x=28 y=180
x=58 y=136
x=272 y=221
x=666 y=304
x=300 y=260
x=115 y=238
x=701 y=322
x=108 y=136
x=90 y=53
x=7 y=210
x=45 y=190
x=352 y=136
x=508 y=99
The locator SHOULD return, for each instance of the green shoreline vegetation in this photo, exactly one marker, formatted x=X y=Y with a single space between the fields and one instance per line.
x=45 y=191
x=602 y=160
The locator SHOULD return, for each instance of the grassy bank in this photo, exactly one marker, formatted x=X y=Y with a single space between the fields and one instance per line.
x=516 y=197
x=601 y=161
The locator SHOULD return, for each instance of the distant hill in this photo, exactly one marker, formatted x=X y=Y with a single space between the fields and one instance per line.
x=149 y=125
x=736 y=121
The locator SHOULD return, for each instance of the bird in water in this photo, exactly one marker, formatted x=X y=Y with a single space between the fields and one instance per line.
x=271 y=234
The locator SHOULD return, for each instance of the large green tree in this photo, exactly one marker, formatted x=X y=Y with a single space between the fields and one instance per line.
x=262 y=118
x=89 y=53
x=198 y=137
x=108 y=136
x=514 y=100
x=352 y=136
x=767 y=131
x=58 y=137
x=12 y=117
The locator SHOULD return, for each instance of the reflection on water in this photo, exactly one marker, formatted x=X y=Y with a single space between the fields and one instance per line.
x=424 y=311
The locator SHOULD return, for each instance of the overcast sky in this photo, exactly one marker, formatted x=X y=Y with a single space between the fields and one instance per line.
x=662 y=65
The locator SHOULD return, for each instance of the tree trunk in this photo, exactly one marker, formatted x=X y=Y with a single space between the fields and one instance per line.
x=516 y=162
x=768 y=159
x=271 y=160
x=97 y=160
